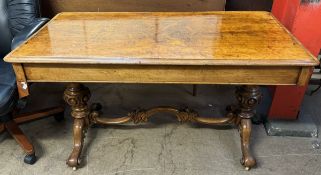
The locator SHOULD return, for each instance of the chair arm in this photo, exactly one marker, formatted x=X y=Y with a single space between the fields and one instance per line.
x=28 y=31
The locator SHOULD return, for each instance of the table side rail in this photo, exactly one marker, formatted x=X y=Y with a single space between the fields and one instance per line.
x=247 y=75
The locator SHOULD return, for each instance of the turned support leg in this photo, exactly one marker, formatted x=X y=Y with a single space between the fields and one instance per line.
x=248 y=97
x=77 y=96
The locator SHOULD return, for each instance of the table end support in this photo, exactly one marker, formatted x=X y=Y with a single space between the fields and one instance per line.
x=248 y=97
x=77 y=96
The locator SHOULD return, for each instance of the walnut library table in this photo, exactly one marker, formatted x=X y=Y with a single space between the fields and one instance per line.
x=240 y=48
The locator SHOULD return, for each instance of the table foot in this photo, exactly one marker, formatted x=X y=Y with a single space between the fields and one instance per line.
x=245 y=132
x=77 y=96
x=79 y=136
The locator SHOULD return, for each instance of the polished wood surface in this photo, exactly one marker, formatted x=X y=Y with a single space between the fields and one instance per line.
x=191 y=38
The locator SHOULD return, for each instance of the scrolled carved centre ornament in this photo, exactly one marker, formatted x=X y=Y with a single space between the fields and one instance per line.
x=183 y=115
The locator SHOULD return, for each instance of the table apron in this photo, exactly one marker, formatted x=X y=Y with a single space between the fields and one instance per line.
x=257 y=75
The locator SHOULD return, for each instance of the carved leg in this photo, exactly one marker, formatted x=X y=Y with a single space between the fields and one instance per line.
x=245 y=131
x=248 y=97
x=77 y=96
x=79 y=132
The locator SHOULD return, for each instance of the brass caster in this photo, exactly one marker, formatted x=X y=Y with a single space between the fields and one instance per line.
x=247 y=168
x=74 y=168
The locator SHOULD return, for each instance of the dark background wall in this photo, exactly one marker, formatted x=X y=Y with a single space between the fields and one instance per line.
x=260 y=5
x=52 y=7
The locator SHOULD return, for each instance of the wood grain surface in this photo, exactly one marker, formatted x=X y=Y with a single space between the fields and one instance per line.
x=159 y=38
x=165 y=74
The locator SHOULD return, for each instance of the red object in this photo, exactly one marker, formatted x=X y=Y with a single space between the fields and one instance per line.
x=303 y=19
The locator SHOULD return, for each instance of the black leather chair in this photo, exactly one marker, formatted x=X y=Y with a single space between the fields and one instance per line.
x=18 y=21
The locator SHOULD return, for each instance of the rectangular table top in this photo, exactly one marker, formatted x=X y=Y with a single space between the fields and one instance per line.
x=164 y=38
